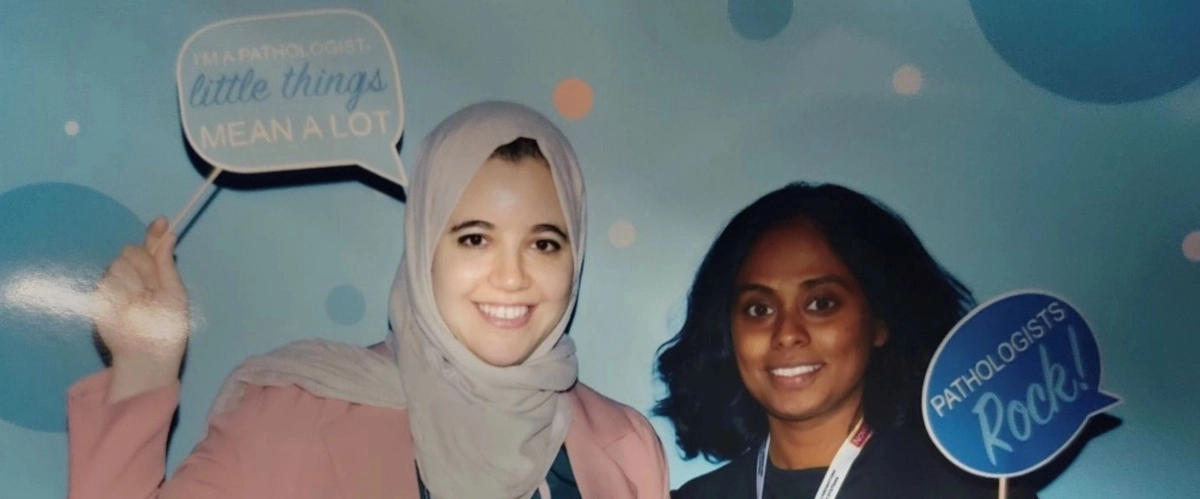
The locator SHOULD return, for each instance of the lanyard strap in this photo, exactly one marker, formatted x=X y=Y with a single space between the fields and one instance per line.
x=835 y=476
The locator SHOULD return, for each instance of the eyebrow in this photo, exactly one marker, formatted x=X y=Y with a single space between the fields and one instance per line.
x=746 y=288
x=480 y=224
x=472 y=224
x=551 y=228
x=828 y=279
x=808 y=284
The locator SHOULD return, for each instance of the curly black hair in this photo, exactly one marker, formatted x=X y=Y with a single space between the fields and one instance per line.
x=918 y=300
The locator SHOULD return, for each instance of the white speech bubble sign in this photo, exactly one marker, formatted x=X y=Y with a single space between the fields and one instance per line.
x=293 y=91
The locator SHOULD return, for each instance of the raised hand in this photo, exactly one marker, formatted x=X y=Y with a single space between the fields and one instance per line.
x=141 y=314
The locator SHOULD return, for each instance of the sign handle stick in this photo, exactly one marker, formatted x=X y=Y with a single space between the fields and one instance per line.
x=212 y=177
x=1003 y=488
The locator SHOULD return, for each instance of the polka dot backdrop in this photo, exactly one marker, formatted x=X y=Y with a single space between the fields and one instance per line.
x=1191 y=246
x=573 y=98
x=58 y=238
x=345 y=305
x=1029 y=143
x=759 y=19
x=907 y=80
x=622 y=234
x=1108 y=51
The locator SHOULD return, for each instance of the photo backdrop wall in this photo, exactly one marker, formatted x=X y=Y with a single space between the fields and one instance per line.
x=1030 y=144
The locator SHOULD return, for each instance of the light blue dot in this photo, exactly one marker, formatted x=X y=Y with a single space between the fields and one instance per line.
x=1103 y=51
x=345 y=305
x=55 y=242
x=759 y=19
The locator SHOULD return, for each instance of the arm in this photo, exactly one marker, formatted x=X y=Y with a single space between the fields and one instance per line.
x=119 y=419
x=118 y=449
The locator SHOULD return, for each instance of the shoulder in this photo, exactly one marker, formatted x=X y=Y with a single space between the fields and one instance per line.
x=734 y=479
x=285 y=409
x=624 y=435
x=271 y=423
x=273 y=400
x=916 y=464
x=607 y=419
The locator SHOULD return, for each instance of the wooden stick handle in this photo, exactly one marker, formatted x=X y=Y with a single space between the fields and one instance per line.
x=187 y=208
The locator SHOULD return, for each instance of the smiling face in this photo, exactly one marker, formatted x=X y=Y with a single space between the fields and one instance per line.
x=802 y=329
x=503 y=267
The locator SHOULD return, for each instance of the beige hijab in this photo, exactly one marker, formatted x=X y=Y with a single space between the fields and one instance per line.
x=479 y=431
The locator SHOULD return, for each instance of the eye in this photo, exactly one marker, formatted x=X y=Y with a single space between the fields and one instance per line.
x=821 y=304
x=471 y=240
x=757 y=310
x=547 y=245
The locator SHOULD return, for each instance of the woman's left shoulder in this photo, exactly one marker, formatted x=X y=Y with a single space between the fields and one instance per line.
x=606 y=418
x=626 y=437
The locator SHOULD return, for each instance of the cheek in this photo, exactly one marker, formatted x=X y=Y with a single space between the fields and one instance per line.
x=556 y=278
x=443 y=293
x=850 y=343
x=454 y=275
x=749 y=347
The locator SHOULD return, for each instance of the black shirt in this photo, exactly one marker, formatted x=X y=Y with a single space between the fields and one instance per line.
x=560 y=479
x=897 y=463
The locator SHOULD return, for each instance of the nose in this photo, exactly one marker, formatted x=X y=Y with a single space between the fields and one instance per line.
x=790 y=330
x=508 y=271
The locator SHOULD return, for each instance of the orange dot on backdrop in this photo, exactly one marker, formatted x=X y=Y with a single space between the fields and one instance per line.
x=573 y=98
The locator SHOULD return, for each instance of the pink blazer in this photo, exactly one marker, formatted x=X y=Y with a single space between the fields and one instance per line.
x=287 y=443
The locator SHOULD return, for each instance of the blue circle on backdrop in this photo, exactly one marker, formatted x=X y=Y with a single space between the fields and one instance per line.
x=55 y=242
x=759 y=19
x=1102 y=51
x=346 y=305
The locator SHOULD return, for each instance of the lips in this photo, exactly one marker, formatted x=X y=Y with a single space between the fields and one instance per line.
x=795 y=375
x=795 y=370
x=507 y=316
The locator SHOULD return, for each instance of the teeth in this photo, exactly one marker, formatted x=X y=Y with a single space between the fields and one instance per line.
x=795 y=371
x=504 y=312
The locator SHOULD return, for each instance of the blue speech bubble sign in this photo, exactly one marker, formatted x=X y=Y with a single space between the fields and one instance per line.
x=1013 y=384
x=293 y=91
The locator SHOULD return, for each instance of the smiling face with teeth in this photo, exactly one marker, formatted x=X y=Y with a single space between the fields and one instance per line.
x=802 y=330
x=503 y=267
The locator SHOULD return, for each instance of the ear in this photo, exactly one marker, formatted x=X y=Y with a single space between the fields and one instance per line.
x=881 y=334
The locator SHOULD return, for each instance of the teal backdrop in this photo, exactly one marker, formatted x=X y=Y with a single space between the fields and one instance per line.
x=1051 y=145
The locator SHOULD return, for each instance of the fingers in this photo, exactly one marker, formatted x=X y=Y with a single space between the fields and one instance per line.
x=155 y=232
x=161 y=240
x=123 y=275
x=119 y=285
x=168 y=272
x=145 y=266
x=141 y=296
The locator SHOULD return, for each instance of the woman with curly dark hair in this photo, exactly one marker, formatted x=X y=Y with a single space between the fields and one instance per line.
x=809 y=328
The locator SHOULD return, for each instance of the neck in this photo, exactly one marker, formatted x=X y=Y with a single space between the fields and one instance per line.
x=811 y=443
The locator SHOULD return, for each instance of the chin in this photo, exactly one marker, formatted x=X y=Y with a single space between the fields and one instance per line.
x=503 y=357
x=500 y=347
x=501 y=361
x=792 y=412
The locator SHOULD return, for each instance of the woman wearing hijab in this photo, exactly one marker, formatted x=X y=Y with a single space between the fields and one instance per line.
x=472 y=395
x=809 y=328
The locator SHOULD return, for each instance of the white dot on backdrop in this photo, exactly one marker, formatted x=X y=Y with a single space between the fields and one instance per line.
x=907 y=80
x=622 y=234
x=72 y=128
x=1191 y=246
